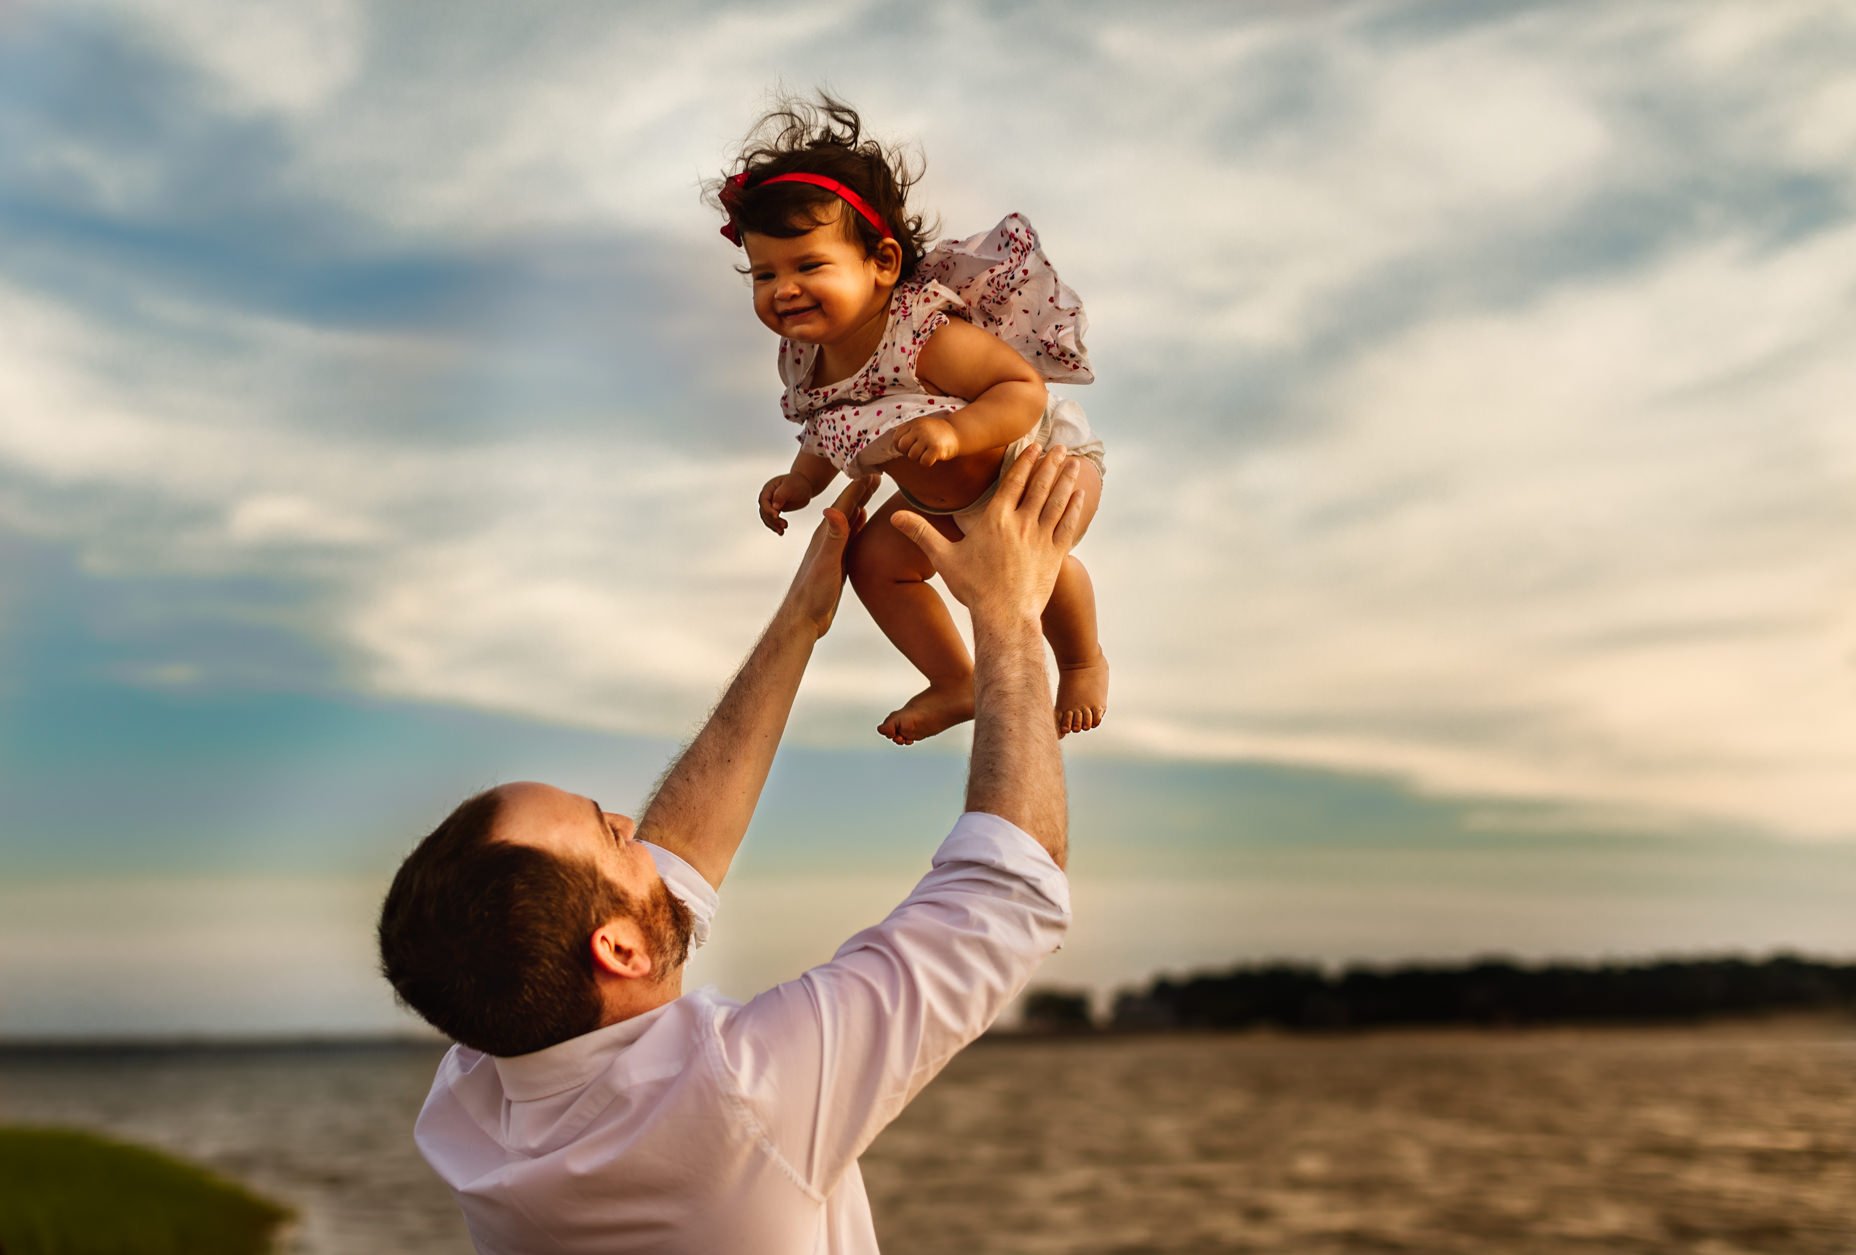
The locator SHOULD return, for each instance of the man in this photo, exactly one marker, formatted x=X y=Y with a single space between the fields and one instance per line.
x=591 y=1106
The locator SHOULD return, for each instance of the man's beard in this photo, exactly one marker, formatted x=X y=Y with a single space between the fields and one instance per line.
x=667 y=925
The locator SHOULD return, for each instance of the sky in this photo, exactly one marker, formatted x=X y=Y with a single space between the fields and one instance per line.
x=381 y=418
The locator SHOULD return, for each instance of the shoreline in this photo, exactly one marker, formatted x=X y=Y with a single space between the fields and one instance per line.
x=1828 y=1025
x=1831 y=1025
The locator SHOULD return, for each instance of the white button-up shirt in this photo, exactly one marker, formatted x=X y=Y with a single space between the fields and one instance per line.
x=714 y=1127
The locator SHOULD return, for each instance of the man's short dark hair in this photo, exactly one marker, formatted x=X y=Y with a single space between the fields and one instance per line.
x=488 y=939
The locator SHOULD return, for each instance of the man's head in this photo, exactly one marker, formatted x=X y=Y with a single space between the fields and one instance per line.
x=527 y=917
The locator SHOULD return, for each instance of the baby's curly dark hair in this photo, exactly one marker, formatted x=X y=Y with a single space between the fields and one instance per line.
x=821 y=137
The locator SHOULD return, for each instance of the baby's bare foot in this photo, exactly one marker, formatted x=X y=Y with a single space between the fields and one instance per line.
x=930 y=711
x=1082 y=695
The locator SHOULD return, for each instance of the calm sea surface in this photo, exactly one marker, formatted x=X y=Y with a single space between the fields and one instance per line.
x=1712 y=1141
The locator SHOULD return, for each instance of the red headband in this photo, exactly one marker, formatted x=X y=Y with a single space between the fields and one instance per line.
x=731 y=191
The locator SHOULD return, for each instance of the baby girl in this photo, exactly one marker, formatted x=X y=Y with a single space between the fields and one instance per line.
x=926 y=365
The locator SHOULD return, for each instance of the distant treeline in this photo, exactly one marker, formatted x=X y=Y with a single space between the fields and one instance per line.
x=1490 y=993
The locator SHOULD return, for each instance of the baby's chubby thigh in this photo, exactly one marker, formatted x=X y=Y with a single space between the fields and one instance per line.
x=880 y=554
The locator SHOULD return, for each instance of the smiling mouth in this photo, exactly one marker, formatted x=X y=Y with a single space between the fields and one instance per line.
x=790 y=314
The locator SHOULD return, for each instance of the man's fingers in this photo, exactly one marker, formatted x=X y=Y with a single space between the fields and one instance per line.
x=856 y=495
x=1012 y=484
x=1069 y=528
x=1043 y=478
x=1061 y=494
x=841 y=519
x=919 y=530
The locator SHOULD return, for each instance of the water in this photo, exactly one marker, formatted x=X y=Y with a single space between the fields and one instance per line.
x=326 y=1132
x=1716 y=1141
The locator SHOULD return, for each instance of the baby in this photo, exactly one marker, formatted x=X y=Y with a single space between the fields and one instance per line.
x=926 y=365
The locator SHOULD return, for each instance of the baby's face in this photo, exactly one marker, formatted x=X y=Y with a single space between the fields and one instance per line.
x=819 y=287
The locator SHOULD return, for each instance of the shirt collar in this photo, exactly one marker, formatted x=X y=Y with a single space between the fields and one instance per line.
x=572 y=1063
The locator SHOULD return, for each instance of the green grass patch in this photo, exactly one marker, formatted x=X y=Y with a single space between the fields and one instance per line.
x=68 y=1193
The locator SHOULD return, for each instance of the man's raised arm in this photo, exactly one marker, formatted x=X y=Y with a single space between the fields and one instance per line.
x=702 y=806
x=1003 y=571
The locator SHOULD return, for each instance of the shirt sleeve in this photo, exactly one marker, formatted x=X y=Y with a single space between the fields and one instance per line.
x=827 y=1060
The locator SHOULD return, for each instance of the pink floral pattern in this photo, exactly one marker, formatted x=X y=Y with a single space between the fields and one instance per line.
x=1000 y=282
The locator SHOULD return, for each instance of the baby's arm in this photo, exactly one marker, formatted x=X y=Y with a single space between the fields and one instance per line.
x=811 y=475
x=1004 y=394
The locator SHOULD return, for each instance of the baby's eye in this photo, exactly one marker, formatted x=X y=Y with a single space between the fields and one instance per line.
x=763 y=276
x=812 y=265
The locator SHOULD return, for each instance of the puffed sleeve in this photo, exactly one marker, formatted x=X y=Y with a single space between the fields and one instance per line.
x=1003 y=283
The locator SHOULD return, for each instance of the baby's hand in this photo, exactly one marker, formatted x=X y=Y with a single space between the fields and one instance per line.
x=927 y=440
x=783 y=494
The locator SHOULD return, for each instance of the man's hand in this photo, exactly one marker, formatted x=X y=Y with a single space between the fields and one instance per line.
x=1013 y=550
x=927 y=440
x=820 y=579
x=782 y=495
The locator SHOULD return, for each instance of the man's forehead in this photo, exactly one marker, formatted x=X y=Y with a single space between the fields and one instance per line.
x=532 y=813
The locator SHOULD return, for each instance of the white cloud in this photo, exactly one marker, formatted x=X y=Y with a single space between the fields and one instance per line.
x=283 y=519
x=604 y=581
x=1586 y=544
x=176 y=675
x=288 y=57
x=1721 y=37
x=1594 y=544
x=593 y=119
x=1239 y=179
x=1824 y=126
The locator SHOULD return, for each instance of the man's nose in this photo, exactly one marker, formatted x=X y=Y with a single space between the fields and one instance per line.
x=624 y=823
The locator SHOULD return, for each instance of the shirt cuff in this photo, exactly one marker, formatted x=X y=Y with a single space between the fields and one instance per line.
x=687 y=885
x=986 y=839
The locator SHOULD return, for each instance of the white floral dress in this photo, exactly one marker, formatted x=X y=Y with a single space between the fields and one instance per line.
x=1000 y=282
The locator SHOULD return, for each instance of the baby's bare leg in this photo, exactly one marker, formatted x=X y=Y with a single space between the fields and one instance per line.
x=890 y=575
x=1082 y=669
x=1070 y=627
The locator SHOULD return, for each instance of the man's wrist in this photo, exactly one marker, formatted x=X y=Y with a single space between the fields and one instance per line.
x=790 y=624
x=1004 y=622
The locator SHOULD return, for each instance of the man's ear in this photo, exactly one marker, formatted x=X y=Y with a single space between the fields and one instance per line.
x=619 y=950
x=888 y=259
